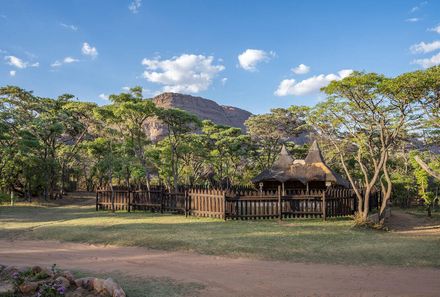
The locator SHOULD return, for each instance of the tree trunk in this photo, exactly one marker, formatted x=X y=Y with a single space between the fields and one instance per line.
x=12 y=198
x=427 y=168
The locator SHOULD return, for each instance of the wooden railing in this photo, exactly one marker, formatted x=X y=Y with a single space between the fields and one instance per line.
x=242 y=205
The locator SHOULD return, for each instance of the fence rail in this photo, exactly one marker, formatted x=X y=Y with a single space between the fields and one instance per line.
x=236 y=205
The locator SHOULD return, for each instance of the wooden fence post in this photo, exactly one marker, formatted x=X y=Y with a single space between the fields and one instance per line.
x=186 y=203
x=97 y=205
x=224 y=205
x=324 y=207
x=162 y=195
x=129 y=200
x=280 y=205
x=113 y=200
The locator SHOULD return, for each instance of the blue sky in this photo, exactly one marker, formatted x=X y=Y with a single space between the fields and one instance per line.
x=241 y=53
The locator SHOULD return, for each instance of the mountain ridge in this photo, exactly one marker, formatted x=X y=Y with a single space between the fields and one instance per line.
x=205 y=109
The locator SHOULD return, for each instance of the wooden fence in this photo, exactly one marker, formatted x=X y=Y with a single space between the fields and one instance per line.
x=241 y=205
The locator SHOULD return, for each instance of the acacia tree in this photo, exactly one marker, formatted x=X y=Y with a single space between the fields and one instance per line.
x=229 y=150
x=130 y=111
x=178 y=123
x=270 y=130
x=364 y=115
x=425 y=85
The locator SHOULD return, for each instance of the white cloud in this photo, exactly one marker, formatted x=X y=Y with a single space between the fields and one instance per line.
x=19 y=63
x=251 y=57
x=103 y=96
x=134 y=6
x=301 y=69
x=435 y=29
x=224 y=80
x=71 y=27
x=186 y=73
x=424 y=48
x=88 y=50
x=428 y=62
x=69 y=60
x=56 y=64
x=12 y=72
x=412 y=20
x=66 y=60
x=309 y=85
x=419 y=6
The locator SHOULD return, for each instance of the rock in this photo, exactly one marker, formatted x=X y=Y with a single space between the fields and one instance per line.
x=113 y=288
x=6 y=288
x=98 y=284
x=85 y=282
x=203 y=108
x=62 y=281
x=28 y=287
x=47 y=271
x=36 y=269
x=69 y=276
x=119 y=293
x=9 y=270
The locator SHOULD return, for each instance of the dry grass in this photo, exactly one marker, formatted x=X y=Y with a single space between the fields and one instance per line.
x=306 y=240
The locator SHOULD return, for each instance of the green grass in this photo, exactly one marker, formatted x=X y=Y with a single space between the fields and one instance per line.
x=300 y=240
x=149 y=287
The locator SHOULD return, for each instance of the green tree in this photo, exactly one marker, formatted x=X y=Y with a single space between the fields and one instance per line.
x=270 y=130
x=178 y=123
x=363 y=117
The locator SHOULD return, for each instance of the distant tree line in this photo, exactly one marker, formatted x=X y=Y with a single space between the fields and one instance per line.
x=381 y=133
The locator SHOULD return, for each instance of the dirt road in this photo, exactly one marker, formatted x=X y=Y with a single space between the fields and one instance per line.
x=229 y=277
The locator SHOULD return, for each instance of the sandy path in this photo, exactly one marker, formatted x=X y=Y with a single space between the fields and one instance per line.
x=405 y=223
x=229 y=277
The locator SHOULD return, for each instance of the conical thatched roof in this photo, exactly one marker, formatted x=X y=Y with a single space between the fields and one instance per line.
x=313 y=169
x=279 y=170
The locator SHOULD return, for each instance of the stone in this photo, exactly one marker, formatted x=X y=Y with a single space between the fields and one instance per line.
x=85 y=282
x=47 y=271
x=6 y=288
x=36 y=269
x=98 y=284
x=69 y=276
x=203 y=108
x=62 y=281
x=28 y=287
x=113 y=288
x=10 y=270
x=119 y=293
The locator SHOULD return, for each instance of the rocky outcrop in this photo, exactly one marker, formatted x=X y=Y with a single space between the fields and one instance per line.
x=205 y=109
x=40 y=281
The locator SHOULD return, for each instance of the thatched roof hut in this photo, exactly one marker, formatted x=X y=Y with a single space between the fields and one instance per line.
x=311 y=172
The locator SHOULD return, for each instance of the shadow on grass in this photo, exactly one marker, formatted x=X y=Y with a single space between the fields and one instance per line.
x=301 y=240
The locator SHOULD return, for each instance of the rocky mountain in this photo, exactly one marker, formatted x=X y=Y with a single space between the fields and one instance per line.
x=205 y=109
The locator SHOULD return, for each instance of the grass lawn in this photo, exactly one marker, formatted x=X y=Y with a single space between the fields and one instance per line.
x=306 y=240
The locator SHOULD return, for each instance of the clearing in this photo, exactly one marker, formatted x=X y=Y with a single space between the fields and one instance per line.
x=210 y=257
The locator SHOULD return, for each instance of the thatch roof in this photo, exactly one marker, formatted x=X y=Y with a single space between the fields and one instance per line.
x=279 y=170
x=312 y=169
